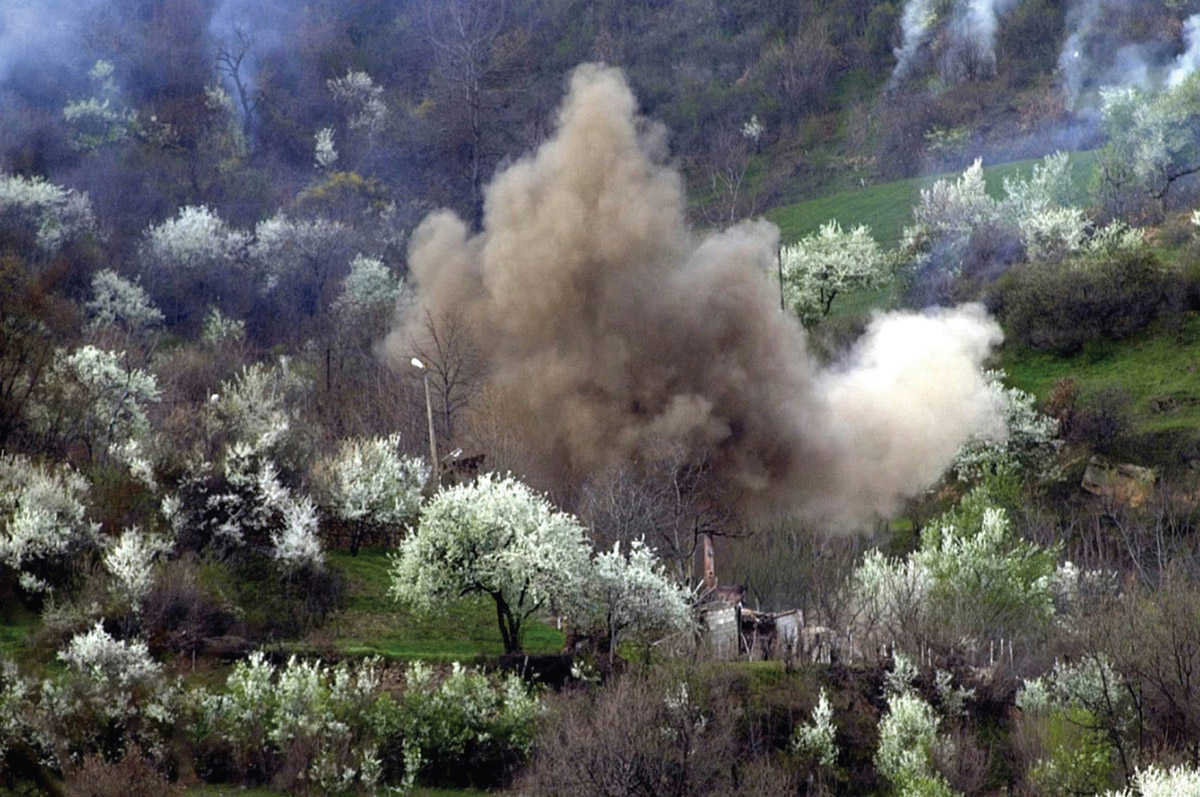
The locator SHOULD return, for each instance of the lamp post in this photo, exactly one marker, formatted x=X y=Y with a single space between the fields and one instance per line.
x=435 y=464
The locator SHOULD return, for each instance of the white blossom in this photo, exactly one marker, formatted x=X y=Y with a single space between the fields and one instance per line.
x=129 y=560
x=496 y=537
x=1048 y=187
x=1114 y=238
x=256 y=509
x=324 y=154
x=364 y=99
x=1157 y=781
x=93 y=392
x=304 y=251
x=1053 y=233
x=630 y=596
x=969 y=571
x=100 y=119
x=297 y=544
x=952 y=210
x=953 y=698
x=56 y=214
x=818 y=737
x=117 y=302
x=254 y=405
x=890 y=592
x=196 y=238
x=219 y=328
x=1030 y=444
x=326 y=708
x=42 y=516
x=753 y=129
x=908 y=736
x=829 y=263
x=370 y=481
x=369 y=289
x=118 y=662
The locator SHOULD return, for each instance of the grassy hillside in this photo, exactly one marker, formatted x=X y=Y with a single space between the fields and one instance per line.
x=887 y=207
x=1158 y=368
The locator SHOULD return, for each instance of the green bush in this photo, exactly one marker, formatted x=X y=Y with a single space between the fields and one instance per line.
x=1061 y=306
x=1080 y=757
x=464 y=730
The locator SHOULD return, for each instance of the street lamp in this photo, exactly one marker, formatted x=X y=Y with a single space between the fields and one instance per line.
x=434 y=462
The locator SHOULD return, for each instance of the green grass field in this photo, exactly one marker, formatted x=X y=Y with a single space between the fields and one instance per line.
x=887 y=208
x=372 y=624
x=1161 y=361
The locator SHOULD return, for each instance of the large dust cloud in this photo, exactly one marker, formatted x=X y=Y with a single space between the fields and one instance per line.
x=616 y=330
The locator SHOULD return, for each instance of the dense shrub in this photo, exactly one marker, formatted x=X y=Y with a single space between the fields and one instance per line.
x=1060 y=306
x=464 y=729
x=648 y=734
x=301 y=725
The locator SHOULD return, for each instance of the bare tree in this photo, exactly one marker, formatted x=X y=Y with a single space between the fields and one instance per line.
x=455 y=366
x=463 y=34
x=235 y=56
x=726 y=164
x=672 y=500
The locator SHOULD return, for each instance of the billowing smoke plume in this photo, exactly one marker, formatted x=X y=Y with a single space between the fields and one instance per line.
x=1189 y=59
x=969 y=34
x=1109 y=45
x=616 y=330
x=916 y=23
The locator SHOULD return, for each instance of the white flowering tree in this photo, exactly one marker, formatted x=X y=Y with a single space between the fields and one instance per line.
x=114 y=696
x=42 y=520
x=93 y=396
x=299 y=259
x=984 y=581
x=818 y=738
x=370 y=289
x=194 y=240
x=121 y=313
x=498 y=538
x=254 y=508
x=1041 y=209
x=1036 y=213
x=99 y=120
x=194 y=259
x=325 y=154
x=950 y=211
x=830 y=263
x=971 y=579
x=96 y=654
x=365 y=308
x=257 y=407
x=219 y=329
x=362 y=100
x=129 y=559
x=118 y=302
x=370 y=485
x=1159 y=781
x=908 y=740
x=1151 y=143
x=630 y=596
x=326 y=715
x=1029 y=446
x=51 y=215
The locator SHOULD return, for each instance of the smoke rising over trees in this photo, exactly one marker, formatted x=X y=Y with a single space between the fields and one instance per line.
x=616 y=329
